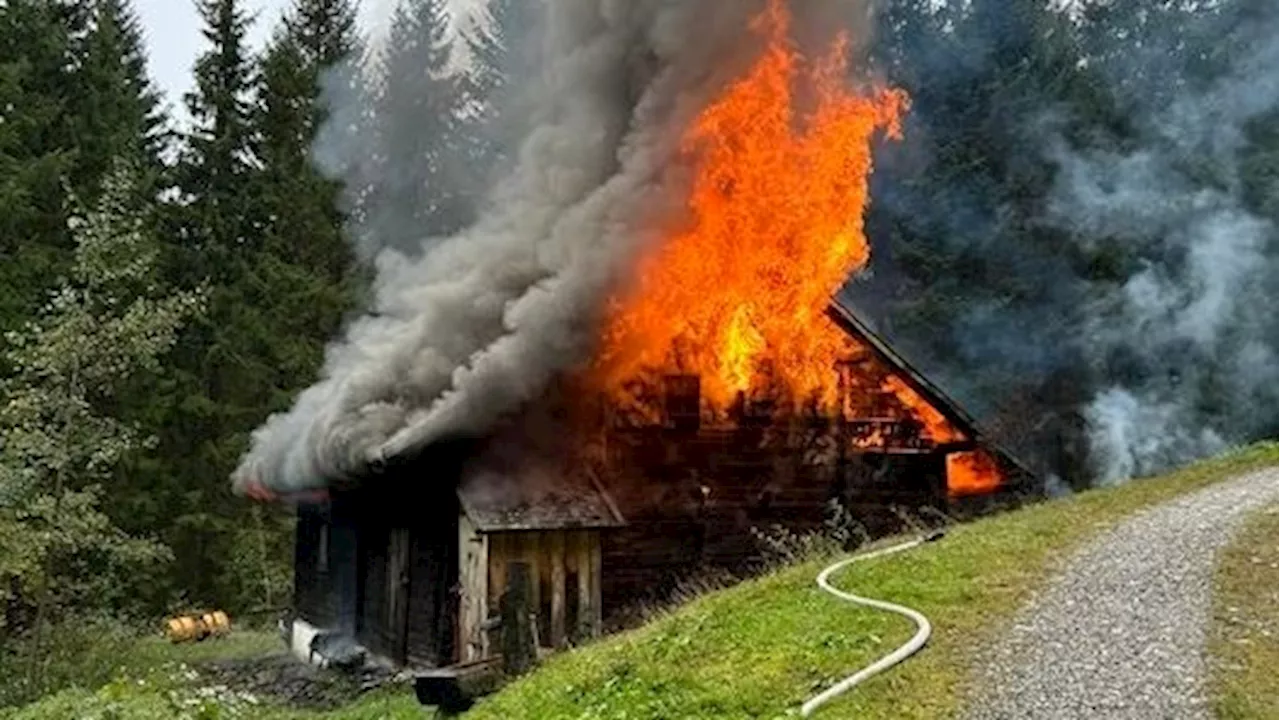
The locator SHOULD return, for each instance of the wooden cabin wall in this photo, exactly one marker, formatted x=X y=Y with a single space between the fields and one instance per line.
x=473 y=592
x=691 y=499
x=325 y=578
x=433 y=576
x=407 y=573
x=566 y=567
x=314 y=597
x=373 y=618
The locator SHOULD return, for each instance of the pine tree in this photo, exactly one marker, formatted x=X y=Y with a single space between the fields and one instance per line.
x=37 y=151
x=954 y=222
x=217 y=162
x=219 y=375
x=116 y=107
x=421 y=159
x=311 y=46
x=99 y=329
x=502 y=55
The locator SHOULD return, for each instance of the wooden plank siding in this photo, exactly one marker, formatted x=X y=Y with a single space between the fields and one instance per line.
x=314 y=596
x=691 y=500
x=565 y=580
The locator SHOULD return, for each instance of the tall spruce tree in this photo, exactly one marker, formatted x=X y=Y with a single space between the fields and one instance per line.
x=37 y=151
x=502 y=54
x=310 y=47
x=220 y=371
x=421 y=158
x=956 y=241
x=116 y=108
x=217 y=157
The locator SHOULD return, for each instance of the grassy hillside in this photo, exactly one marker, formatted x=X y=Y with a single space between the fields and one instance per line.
x=754 y=650
x=760 y=648
x=1242 y=641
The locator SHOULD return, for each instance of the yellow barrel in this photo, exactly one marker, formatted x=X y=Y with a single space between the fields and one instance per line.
x=185 y=628
x=182 y=628
x=216 y=623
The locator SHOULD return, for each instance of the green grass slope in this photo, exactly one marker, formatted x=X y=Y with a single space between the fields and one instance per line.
x=1242 y=639
x=757 y=650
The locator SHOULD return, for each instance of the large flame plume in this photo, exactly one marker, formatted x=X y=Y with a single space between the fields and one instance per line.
x=738 y=295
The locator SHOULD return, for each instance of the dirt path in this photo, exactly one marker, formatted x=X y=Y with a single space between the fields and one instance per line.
x=1120 y=633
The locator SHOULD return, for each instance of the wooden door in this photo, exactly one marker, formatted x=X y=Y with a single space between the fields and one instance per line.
x=397 y=593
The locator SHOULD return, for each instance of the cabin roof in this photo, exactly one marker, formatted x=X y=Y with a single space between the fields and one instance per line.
x=847 y=319
x=535 y=498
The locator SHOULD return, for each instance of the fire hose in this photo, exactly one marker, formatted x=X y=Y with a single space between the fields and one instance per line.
x=907 y=649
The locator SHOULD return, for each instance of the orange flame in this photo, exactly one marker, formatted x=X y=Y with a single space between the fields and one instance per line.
x=739 y=296
x=935 y=425
x=972 y=473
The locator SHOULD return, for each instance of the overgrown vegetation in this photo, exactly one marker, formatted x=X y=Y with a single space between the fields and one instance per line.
x=166 y=283
x=760 y=648
x=1243 y=637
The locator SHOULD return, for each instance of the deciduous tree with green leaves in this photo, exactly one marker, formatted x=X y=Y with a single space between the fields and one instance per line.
x=105 y=324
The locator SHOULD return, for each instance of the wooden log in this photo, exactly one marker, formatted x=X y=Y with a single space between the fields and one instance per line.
x=555 y=555
x=518 y=651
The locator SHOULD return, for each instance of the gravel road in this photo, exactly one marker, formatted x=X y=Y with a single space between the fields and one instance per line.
x=1121 y=632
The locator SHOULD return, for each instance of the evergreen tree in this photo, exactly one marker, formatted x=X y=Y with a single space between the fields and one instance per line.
x=955 y=224
x=217 y=162
x=37 y=151
x=502 y=54
x=213 y=394
x=311 y=45
x=421 y=160
x=116 y=107
x=99 y=329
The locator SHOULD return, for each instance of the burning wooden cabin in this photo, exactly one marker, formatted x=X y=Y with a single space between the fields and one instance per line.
x=410 y=565
x=718 y=398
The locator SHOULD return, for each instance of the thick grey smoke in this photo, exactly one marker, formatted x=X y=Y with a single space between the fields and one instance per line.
x=1201 y=311
x=469 y=326
x=1112 y=289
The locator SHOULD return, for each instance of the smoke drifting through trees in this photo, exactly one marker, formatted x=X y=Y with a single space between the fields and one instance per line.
x=1072 y=238
x=466 y=327
x=1097 y=268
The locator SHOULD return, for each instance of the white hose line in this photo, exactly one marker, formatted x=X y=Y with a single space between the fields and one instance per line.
x=917 y=641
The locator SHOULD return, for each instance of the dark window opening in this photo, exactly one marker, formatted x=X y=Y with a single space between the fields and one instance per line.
x=322 y=549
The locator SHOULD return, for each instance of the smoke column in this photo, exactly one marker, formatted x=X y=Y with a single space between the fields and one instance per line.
x=1201 y=312
x=465 y=328
x=1162 y=348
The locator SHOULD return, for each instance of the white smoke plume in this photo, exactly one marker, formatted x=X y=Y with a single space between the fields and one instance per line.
x=1201 y=314
x=470 y=326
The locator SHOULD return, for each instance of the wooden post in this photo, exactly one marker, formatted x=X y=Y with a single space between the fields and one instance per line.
x=597 y=608
x=518 y=652
x=473 y=578
x=398 y=593
x=530 y=548
x=586 y=609
x=555 y=551
x=499 y=554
